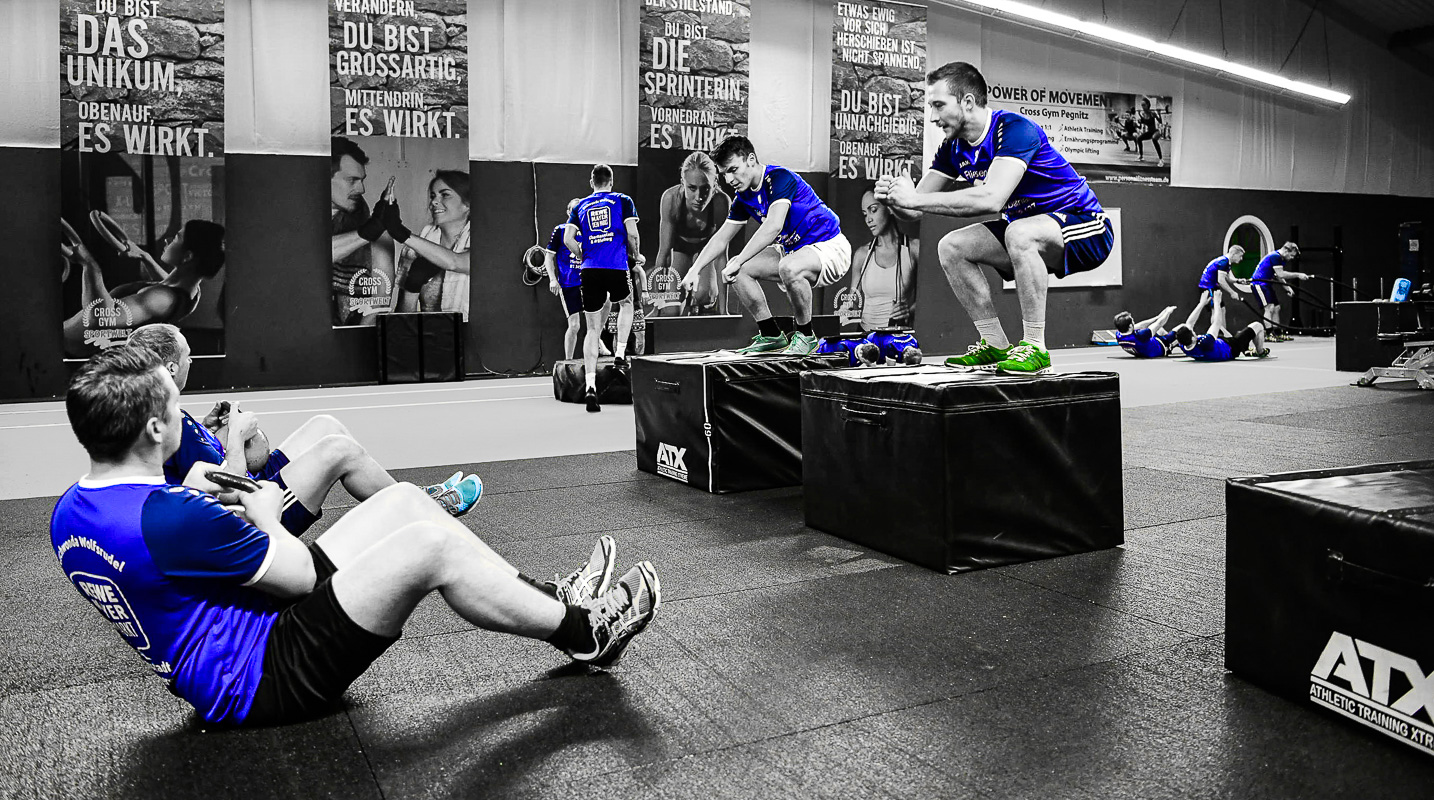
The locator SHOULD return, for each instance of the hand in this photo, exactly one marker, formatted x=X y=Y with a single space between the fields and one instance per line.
x=246 y=422
x=196 y=479
x=730 y=272
x=372 y=228
x=264 y=505
x=393 y=223
x=896 y=191
x=555 y=288
x=214 y=420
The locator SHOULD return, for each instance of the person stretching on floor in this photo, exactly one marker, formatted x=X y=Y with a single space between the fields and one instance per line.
x=249 y=625
x=1212 y=347
x=308 y=463
x=1146 y=338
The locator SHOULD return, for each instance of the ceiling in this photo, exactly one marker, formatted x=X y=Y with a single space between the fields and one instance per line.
x=1404 y=27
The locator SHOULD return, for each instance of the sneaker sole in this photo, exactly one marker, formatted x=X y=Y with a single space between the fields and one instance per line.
x=655 y=587
x=1042 y=371
x=609 y=554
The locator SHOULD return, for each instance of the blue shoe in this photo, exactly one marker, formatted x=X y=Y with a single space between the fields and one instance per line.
x=460 y=499
x=436 y=489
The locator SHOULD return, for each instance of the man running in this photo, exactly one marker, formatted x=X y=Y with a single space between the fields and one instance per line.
x=799 y=244
x=1051 y=222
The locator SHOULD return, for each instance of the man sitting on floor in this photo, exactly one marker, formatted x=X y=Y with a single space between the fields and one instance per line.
x=308 y=463
x=245 y=622
x=1147 y=338
x=1211 y=347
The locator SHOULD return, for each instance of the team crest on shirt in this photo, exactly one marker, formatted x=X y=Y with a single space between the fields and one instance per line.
x=599 y=218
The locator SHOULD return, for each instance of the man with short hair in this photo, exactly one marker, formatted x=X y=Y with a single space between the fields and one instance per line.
x=602 y=235
x=1270 y=272
x=307 y=465
x=353 y=228
x=564 y=281
x=799 y=244
x=1050 y=221
x=248 y=624
x=1212 y=347
x=1216 y=277
x=1146 y=338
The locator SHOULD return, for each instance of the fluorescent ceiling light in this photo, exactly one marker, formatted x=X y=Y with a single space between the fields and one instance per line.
x=1060 y=23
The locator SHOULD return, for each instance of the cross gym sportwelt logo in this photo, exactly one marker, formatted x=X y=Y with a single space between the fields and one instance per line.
x=669 y=462
x=1340 y=682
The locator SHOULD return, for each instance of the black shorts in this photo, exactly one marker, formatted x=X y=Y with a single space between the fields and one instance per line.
x=296 y=518
x=1264 y=294
x=1241 y=341
x=601 y=285
x=314 y=651
x=1088 y=240
x=572 y=299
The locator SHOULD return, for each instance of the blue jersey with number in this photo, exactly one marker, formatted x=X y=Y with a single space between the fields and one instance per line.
x=601 y=221
x=170 y=568
x=808 y=221
x=1209 y=348
x=1210 y=278
x=1050 y=183
x=562 y=258
x=1265 y=272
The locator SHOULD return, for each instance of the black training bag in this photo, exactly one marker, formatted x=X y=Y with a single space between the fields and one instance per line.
x=960 y=471
x=722 y=422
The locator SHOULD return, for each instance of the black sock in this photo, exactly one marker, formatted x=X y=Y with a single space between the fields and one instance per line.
x=768 y=327
x=543 y=586
x=805 y=330
x=574 y=633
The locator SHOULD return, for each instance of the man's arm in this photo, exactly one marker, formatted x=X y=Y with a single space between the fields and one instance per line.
x=570 y=240
x=767 y=232
x=290 y=567
x=634 y=242
x=346 y=244
x=987 y=197
x=932 y=181
x=1226 y=282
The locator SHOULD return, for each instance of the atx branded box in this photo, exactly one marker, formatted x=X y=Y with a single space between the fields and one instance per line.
x=570 y=382
x=721 y=421
x=960 y=471
x=1329 y=592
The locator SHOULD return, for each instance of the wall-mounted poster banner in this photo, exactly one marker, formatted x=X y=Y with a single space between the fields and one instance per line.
x=1108 y=137
x=142 y=171
x=693 y=73
x=878 y=114
x=398 y=185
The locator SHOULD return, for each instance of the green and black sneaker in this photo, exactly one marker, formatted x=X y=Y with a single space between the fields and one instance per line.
x=980 y=354
x=1026 y=359
x=767 y=344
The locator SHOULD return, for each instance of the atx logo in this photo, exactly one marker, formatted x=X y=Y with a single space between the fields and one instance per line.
x=1365 y=695
x=669 y=462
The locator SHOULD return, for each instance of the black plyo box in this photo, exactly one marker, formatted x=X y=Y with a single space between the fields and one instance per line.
x=1329 y=592
x=722 y=422
x=420 y=347
x=570 y=383
x=960 y=471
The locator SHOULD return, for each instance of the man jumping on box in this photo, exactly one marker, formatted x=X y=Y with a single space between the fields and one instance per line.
x=799 y=244
x=1050 y=223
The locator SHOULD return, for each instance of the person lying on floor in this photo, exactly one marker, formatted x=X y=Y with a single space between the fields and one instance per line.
x=1210 y=347
x=1147 y=338
x=244 y=621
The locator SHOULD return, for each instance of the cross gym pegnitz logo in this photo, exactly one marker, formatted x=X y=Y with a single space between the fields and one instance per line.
x=1340 y=682
x=670 y=463
x=370 y=289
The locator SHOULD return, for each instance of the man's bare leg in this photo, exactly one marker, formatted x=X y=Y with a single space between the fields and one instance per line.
x=762 y=267
x=1034 y=245
x=799 y=272
x=962 y=254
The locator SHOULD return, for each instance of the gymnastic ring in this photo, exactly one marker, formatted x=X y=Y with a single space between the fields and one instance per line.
x=110 y=231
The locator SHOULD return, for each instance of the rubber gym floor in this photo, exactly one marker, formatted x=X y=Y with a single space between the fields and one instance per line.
x=784 y=662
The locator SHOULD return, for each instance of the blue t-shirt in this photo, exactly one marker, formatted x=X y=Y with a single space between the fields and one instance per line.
x=1144 y=343
x=1210 y=278
x=601 y=220
x=1209 y=348
x=1050 y=183
x=1265 y=272
x=196 y=444
x=169 y=567
x=562 y=258
x=808 y=221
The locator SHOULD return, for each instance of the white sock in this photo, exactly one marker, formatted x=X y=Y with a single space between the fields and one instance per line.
x=620 y=349
x=592 y=381
x=1035 y=333
x=990 y=330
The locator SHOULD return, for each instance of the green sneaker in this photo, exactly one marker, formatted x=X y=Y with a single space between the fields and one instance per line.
x=979 y=354
x=1025 y=358
x=766 y=344
x=801 y=345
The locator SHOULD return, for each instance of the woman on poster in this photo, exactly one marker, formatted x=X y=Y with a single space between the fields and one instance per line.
x=883 y=271
x=1151 y=126
x=692 y=211
x=433 y=266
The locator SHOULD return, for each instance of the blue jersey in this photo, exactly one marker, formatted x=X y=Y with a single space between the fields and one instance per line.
x=1210 y=278
x=808 y=219
x=1050 y=183
x=1144 y=343
x=1265 y=272
x=169 y=567
x=562 y=258
x=196 y=444
x=1209 y=348
x=601 y=220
